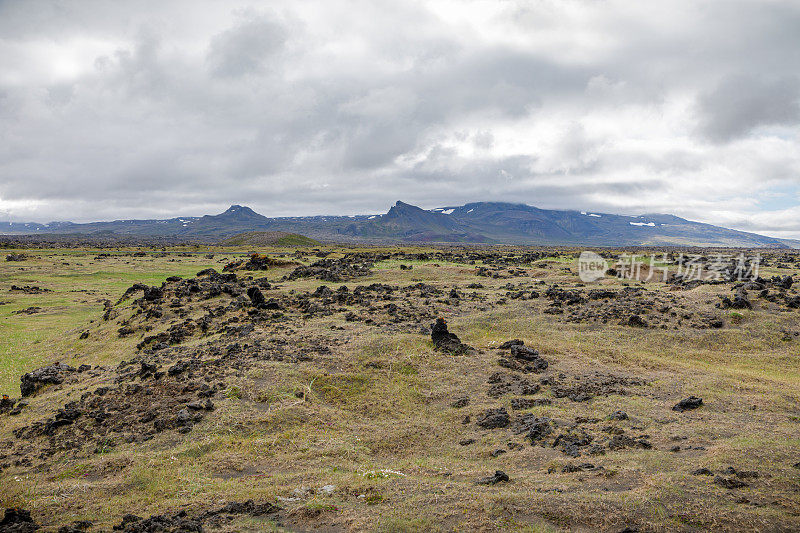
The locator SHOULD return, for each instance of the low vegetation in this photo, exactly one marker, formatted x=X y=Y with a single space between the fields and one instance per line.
x=311 y=394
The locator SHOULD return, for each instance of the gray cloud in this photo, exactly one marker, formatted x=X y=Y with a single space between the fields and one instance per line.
x=742 y=103
x=247 y=47
x=172 y=108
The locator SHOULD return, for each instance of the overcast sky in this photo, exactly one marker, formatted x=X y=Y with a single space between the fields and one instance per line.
x=155 y=109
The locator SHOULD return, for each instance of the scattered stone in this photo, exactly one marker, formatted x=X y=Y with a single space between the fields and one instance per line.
x=498 y=477
x=688 y=404
x=619 y=442
x=636 y=321
x=29 y=310
x=740 y=301
x=335 y=270
x=518 y=404
x=445 y=341
x=524 y=359
x=458 y=403
x=183 y=417
x=503 y=383
x=535 y=428
x=729 y=483
x=569 y=468
x=153 y=293
x=181 y=522
x=494 y=418
x=256 y=297
x=6 y=403
x=29 y=289
x=32 y=382
x=508 y=344
x=702 y=472
x=17 y=521
x=256 y=262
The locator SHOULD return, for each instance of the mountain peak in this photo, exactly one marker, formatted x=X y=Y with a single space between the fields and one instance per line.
x=239 y=211
x=403 y=209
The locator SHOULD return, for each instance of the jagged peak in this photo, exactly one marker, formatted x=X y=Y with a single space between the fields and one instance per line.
x=239 y=211
x=402 y=207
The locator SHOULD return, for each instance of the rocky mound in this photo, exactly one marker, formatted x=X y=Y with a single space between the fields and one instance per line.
x=257 y=262
x=335 y=270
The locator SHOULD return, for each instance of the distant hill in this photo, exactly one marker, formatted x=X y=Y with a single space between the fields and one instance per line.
x=268 y=238
x=479 y=222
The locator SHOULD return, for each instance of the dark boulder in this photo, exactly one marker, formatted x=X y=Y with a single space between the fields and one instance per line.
x=322 y=292
x=153 y=293
x=6 y=403
x=503 y=383
x=179 y=523
x=572 y=441
x=688 y=404
x=523 y=352
x=494 y=418
x=17 y=521
x=740 y=301
x=256 y=297
x=524 y=359
x=498 y=477
x=445 y=341
x=535 y=428
x=620 y=442
x=729 y=482
x=508 y=344
x=460 y=402
x=31 y=382
x=636 y=321
x=248 y=507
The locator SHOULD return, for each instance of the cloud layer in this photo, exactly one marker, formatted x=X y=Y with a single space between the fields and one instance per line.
x=158 y=109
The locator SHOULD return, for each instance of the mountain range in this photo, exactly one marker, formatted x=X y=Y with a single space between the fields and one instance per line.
x=478 y=222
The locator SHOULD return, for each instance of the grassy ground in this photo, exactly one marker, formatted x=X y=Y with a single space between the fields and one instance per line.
x=77 y=284
x=373 y=417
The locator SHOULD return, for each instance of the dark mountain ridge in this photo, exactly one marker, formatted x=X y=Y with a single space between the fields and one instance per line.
x=477 y=222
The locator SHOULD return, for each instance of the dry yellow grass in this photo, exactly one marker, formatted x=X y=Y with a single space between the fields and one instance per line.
x=380 y=402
